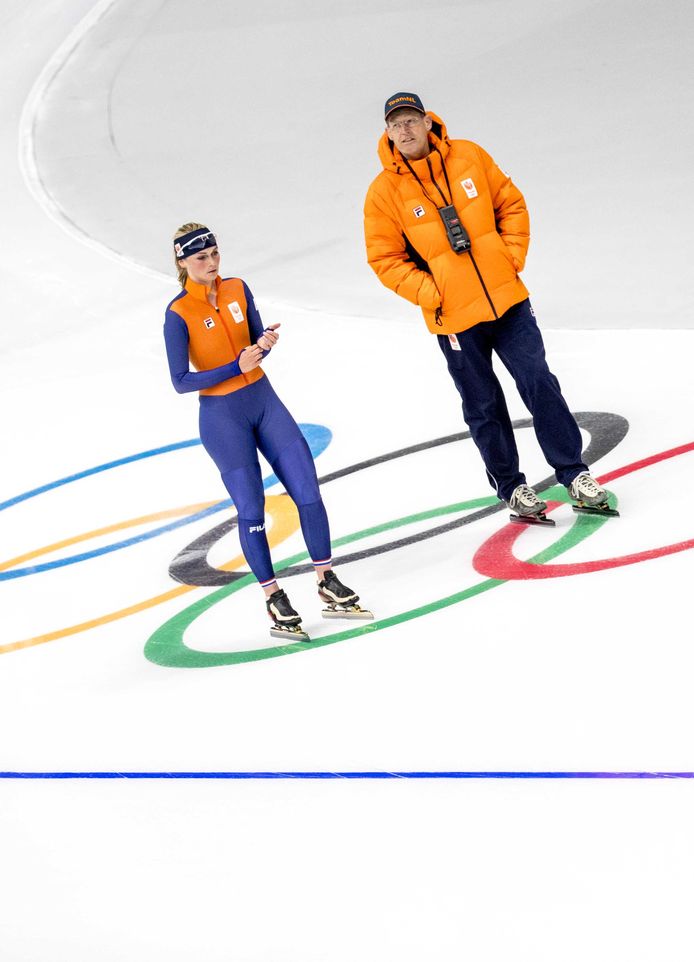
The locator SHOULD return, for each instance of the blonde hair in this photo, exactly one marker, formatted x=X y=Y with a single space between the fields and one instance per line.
x=184 y=229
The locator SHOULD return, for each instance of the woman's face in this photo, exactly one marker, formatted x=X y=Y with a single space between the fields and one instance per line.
x=202 y=267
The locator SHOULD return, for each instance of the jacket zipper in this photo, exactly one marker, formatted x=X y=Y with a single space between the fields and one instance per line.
x=443 y=196
x=484 y=286
x=231 y=339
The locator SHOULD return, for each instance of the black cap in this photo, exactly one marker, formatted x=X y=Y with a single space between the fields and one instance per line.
x=403 y=99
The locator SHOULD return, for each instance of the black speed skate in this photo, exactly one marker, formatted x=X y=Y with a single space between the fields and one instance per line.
x=342 y=601
x=286 y=621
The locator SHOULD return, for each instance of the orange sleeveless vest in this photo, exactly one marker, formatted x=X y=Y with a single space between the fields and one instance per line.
x=217 y=335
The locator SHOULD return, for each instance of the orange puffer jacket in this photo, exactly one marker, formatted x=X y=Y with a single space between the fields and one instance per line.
x=406 y=241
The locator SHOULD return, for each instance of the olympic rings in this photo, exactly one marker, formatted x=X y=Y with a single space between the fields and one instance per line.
x=493 y=558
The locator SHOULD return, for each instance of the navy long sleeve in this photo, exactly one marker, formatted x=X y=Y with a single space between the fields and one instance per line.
x=255 y=321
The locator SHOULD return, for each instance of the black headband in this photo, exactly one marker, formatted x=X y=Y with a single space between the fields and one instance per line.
x=195 y=240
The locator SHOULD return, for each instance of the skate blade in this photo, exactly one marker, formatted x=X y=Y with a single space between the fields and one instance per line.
x=355 y=613
x=540 y=519
x=605 y=512
x=289 y=634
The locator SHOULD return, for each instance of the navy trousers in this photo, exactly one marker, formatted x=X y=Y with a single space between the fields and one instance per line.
x=516 y=339
x=233 y=428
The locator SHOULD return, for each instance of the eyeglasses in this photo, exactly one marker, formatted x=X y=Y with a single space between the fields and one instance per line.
x=198 y=243
x=405 y=124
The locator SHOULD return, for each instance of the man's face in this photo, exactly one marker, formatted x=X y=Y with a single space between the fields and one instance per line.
x=408 y=129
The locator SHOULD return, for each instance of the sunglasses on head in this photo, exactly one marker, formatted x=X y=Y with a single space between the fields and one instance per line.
x=184 y=248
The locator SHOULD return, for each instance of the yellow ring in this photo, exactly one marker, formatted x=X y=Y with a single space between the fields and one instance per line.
x=132 y=523
x=279 y=507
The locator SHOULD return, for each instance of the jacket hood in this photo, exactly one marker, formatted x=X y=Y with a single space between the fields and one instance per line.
x=392 y=159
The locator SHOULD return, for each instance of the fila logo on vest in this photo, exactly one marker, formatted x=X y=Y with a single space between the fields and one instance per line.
x=418 y=211
x=208 y=322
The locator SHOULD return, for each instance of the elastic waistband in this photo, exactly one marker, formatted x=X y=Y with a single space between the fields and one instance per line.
x=257 y=387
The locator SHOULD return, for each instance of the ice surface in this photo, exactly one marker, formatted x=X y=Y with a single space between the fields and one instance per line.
x=119 y=121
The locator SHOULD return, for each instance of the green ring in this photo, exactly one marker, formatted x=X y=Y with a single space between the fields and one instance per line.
x=166 y=647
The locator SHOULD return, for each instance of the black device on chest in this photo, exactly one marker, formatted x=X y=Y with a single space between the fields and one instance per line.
x=458 y=237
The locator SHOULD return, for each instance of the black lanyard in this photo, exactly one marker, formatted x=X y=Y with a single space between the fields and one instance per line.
x=446 y=202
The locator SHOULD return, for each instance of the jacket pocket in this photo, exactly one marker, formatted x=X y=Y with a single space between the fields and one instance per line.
x=507 y=253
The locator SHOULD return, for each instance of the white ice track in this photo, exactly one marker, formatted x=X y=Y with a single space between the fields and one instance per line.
x=583 y=102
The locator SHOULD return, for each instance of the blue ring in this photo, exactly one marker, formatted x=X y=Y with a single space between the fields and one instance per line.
x=317 y=436
x=100 y=467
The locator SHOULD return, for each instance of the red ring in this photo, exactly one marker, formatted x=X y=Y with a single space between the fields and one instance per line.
x=495 y=558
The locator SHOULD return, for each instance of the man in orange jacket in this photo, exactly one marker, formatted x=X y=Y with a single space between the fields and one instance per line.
x=448 y=230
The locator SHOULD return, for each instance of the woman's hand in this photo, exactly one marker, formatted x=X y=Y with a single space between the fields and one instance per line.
x=250 y=357
x=268 y=338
